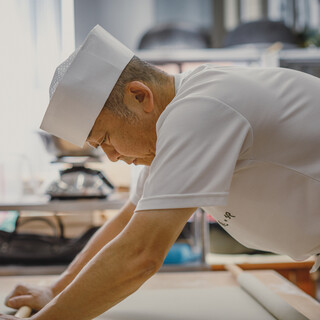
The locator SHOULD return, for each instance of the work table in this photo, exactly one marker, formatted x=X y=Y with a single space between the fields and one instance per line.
x=194 y=280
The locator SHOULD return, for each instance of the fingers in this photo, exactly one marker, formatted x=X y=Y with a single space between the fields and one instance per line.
x=19 y=301
x=18 y=290
x=7 y=317
x=33 y=296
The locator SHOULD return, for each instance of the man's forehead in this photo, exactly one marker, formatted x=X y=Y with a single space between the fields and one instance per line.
x=90 y=134
x=94 y=132
x=93 y=138
x=97 y=133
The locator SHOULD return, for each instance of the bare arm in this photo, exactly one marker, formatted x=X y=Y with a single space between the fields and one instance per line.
x=37 y=297
x=120 y=268
x=105 y=234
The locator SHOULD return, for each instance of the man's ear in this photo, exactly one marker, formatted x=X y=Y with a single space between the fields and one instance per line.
x=137 y=93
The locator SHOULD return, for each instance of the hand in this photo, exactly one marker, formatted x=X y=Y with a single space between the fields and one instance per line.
x=7 y=317
x=36 y=297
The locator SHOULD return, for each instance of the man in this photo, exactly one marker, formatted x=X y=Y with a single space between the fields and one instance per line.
x=241 y=142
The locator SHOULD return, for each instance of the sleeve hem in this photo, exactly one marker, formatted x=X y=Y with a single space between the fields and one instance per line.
x=182 y=201
x=134 y=198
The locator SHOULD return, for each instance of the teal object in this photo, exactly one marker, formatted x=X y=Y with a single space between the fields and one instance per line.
x=181 y=253
x=8 y=224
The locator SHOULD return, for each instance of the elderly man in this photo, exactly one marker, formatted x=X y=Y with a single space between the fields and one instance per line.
x=243 y=143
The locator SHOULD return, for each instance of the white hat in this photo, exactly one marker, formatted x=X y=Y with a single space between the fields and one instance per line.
x=82 y=84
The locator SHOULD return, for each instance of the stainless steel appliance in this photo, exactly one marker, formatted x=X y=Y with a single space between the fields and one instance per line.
x=77 y=180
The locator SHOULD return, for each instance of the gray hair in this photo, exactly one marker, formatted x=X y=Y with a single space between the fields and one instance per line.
x=136 y=70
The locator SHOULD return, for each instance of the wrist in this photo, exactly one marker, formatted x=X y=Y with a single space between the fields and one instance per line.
x=56 y=288
x=61 y=283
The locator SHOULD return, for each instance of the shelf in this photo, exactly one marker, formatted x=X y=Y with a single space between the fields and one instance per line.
x=300 y=56
x=43 y=203
x=248 y=55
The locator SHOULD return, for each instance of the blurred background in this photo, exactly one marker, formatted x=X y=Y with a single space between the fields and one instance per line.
x=36 y=35
x=175 y=35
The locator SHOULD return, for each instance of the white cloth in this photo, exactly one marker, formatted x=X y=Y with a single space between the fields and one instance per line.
x=82 y=84
x=244 y=144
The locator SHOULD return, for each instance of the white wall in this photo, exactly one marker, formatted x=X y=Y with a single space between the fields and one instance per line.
x=126 y=20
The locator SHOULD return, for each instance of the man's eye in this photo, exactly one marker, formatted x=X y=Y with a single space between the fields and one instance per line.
x=103 y=141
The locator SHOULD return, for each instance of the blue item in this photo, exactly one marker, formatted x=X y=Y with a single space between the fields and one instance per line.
x=8 y=224
x=181 y=253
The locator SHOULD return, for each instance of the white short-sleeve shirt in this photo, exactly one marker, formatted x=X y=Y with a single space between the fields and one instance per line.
x=244 y=144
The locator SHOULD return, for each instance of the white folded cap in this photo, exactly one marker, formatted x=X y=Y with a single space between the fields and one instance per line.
x=82 y=84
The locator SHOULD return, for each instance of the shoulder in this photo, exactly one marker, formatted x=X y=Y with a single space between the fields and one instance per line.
x=197 y=113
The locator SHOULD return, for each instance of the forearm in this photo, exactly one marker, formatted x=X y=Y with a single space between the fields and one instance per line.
x=114 y=273
x=120 y=267
x=104 y=235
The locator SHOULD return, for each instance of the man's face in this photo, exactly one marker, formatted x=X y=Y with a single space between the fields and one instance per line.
x=121 y=139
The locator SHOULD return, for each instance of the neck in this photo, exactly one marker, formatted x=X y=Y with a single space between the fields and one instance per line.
x=166 y=93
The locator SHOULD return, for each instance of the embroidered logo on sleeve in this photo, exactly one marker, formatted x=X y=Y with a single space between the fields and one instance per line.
x=227 y=217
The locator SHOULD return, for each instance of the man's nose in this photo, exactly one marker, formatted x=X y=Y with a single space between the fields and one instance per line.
x=111 y=153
